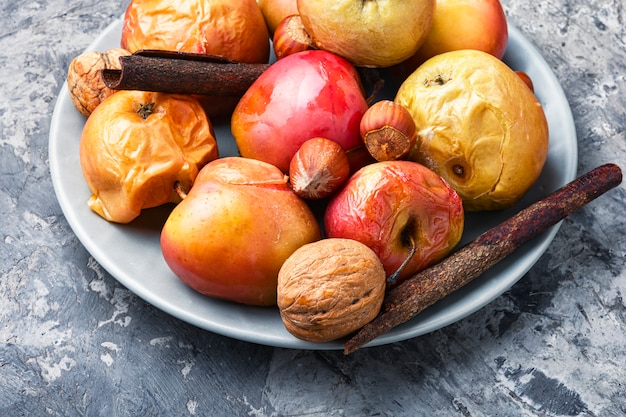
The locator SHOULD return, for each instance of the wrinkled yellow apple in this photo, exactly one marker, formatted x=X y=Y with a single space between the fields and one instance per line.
x=479 y=127
x=137 y=146
x=372 y=33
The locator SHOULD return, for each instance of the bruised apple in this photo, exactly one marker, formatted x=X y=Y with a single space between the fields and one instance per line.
x=137 y=147
x=479 y=126
x=406 y=213
x=233 y=29
x=231 y=234
x=302 y=96
x=465 y=24
x=373 y=33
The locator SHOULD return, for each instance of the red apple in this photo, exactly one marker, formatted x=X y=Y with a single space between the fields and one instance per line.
x=464 y=24
x=231 y=234
x=394 y=207
x=305 y=95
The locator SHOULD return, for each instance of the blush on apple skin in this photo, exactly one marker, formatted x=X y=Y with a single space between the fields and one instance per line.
x=384 y=204
x=302 y=96
x=229 y=237
x=462 y=24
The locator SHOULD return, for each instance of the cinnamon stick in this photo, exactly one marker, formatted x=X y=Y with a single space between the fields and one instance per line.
x=427 y=287
x=182 y=73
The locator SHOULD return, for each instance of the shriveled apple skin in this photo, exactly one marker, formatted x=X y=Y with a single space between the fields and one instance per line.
x=479 y=126
x=384 y=202
x=233 y=29
x=131 y=162
x=231 y=234
x=302 y=96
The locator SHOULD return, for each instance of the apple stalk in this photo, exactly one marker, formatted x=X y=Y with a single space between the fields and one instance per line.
x=422 y=290
x=180 y=190
x=393 y=278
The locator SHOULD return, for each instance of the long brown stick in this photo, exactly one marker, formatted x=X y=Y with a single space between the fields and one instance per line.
x=182 y=73
x=427 y=287
x=209 y=75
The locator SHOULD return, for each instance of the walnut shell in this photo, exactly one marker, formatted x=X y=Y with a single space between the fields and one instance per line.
x=84 y=82
x=329 y=289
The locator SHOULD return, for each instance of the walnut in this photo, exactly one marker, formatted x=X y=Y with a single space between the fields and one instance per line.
x=329 y=289
x=84 y=82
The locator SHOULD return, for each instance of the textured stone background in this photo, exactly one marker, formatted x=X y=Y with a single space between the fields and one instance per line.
x=74 y=342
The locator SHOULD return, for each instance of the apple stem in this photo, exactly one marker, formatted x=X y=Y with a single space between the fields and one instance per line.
x=371 y=76
x=182 y=193
x=427 y=287
x=391 y=280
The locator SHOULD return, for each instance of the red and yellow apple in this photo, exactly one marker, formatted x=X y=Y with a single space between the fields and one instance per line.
x=373 y=33
x=464 y=24
x=395 y=207
x=231 y=234
x=305 y=95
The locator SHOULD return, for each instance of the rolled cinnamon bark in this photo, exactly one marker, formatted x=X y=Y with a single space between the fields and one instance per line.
x=182 y=73
x=201 y=74
x=427 y=287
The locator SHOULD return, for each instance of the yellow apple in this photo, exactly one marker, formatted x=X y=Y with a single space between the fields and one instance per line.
x=137 y=147
x=373 y=33
x=274 y=11
x=479 y=126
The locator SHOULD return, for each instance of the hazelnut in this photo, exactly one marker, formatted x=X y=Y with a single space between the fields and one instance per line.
x=330 y=288
x=318 y=169
x=84 y=82
x=290 y=37
x=388 y=130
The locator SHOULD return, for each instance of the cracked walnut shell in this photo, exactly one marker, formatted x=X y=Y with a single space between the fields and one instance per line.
x=84 y=82
x=330 y=288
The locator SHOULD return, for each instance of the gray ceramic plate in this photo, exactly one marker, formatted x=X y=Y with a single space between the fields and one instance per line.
x=132 y=255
